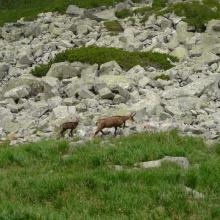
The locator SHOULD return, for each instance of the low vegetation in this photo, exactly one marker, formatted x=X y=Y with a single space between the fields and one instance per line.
x=163 y=77
x=114 y=27
x=102 y=55
x=195 y=13
x=39 y=182
x=12 y=10
x=123 y=13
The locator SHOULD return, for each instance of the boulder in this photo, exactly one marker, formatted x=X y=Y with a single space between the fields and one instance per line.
x=182 y=34
x=3 y=70
x=111 y=67
x=148 y=105
x=181 y=161
x=18 y=92
x=119 y=99
x=84 y=93
x=105 y=93
x=107 y=14
x=183 y=105
x=74 y=10
x=61 y=112
x=63 y=70
x=196 y=88
x=25 y=58
x=5 y=117
x=25 y=80
x=51 y=86
x=180 y=52
x=164 y=22
x=113 y=81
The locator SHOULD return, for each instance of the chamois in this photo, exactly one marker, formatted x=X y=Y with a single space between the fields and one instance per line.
x=113 y=122
x=69 y=125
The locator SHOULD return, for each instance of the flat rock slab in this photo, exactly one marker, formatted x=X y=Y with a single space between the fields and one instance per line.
x=181 y=161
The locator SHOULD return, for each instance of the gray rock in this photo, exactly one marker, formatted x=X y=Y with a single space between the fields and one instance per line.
x=111 y=67
x=194 y=193
x=74 y=10
x=3 y=70
x=105 y=93
x=18 y=92
x=63 y=70
x=119 y=99
x=85 y=93
x=196 y=88
x=181 y=161
x=180 y=52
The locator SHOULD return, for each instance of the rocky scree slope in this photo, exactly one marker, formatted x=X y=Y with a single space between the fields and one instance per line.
x=185 y=97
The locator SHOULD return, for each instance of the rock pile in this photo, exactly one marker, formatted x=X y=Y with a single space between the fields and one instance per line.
x=187 y=98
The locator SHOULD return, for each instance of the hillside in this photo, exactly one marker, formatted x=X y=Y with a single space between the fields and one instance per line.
x=84 y=60
x=98 y=180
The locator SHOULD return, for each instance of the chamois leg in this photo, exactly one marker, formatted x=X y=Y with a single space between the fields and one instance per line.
x=115 y=130
x=62 y=132
x=97 y=131
x=124 y=125
x=71 y=132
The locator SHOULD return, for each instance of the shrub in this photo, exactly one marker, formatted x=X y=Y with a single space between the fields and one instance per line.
x=113 y=26
x=102 y=55
x=123 y=13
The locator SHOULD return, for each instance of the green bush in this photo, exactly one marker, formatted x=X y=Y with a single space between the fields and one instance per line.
x=123 y=13
x=113 y=26
x=102 y=55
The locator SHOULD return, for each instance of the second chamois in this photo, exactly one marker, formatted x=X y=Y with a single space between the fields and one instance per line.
x=69 y=126
x=113 y=122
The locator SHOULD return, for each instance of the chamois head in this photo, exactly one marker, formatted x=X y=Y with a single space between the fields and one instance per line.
x=131 y=117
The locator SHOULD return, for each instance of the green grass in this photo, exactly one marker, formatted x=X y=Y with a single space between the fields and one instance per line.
x=114 y=27
x=197 y=14
x=36 y=183
x=12 y=10
x=123 y=13
x=94 y=55
x=163 y=77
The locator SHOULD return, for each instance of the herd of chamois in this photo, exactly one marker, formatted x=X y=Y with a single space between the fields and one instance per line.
x=109 y=122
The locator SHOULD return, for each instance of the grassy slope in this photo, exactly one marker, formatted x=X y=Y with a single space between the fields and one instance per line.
x=35 y=183
x=102 y=55
x=12 y=10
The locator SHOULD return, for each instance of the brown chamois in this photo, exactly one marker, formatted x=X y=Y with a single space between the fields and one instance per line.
x=113 y=122
x=69 y=126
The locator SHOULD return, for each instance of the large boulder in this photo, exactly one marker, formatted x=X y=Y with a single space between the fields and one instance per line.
x=74 y=10
x=183 y=105
x=63 y=70
x=111 y=67
x=18 y=92
x=25 y=80
x=115 y=80
x=182 y=34
x=180 y=52
x=147 y=106
x=196 y=88
x=105 y=93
